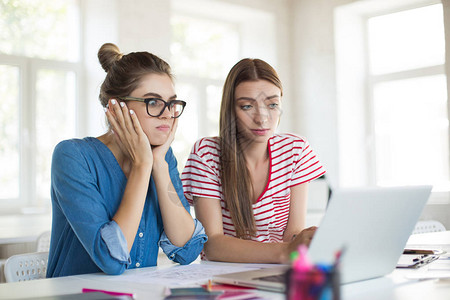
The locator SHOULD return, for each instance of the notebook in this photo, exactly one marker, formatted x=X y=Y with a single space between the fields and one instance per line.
x=373 y=224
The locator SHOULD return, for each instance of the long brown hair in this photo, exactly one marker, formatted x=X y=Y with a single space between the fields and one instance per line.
x=237 y=187
x=124 y=72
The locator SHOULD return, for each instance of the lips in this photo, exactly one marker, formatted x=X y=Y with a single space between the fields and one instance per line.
x=164 y=128
x=260 y=131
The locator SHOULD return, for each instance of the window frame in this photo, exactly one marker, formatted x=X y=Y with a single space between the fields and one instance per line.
x=29 y=66
x=351 y=27
x=28 y=69
x=373 y=80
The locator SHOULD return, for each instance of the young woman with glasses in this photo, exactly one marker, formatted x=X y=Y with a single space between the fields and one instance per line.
x=249 y=185
x=118 y=197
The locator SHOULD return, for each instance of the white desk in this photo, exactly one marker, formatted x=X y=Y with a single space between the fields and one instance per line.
x=392 y=287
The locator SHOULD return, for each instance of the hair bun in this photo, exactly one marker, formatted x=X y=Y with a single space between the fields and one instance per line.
x=108 y=55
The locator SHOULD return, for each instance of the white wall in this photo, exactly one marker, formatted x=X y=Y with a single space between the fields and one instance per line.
x=313 y=79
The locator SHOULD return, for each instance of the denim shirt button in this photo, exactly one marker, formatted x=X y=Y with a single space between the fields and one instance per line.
x=141 y=234
x=138 y=265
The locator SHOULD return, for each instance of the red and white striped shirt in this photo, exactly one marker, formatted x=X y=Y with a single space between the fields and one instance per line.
x=292 y=162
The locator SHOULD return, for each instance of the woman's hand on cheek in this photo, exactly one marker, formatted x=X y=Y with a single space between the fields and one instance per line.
x=159 y=152
x=129 y=134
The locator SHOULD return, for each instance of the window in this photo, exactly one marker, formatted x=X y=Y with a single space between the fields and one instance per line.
x=39 y=71
x=203 y=51
x=392 y=95
x=409 y=97
x=9 y=114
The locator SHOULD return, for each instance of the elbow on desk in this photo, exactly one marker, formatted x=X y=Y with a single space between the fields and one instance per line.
x=185 y=260
x=113 y=269
x=185 y=256
x=113 y=272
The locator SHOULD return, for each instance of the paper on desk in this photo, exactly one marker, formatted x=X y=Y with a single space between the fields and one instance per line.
x=440 y=264
x=437 y=274
x=438 y=269
x=181 y=275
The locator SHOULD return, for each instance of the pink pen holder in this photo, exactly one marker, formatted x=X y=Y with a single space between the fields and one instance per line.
x=316 y=283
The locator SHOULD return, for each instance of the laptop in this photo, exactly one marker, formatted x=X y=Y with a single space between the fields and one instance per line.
x=372 y=224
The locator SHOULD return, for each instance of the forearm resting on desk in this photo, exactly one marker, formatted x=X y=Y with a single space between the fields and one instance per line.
x=231 y=249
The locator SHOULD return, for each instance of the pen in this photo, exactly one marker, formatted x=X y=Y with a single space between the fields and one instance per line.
x=338 y=257
x=209 y=287
x=84 y=290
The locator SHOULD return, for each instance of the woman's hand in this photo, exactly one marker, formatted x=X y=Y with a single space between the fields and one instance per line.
x=303 y=238
x=128 y=133
x=136 y=160
x=159 y=152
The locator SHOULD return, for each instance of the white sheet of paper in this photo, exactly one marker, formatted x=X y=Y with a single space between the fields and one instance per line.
x=186 y=275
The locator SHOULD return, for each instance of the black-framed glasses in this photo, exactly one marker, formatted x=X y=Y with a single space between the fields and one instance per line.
x=156 y=106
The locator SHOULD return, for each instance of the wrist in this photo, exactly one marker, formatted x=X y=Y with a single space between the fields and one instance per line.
x=160 y=165
x=160 y=171
x=142 y=168
x=285 y=253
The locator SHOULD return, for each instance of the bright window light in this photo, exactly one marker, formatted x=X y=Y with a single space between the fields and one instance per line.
x=9 y=132
x=55 y=120
x=411 y=132
x=203 y=47
x=407 y=40
x=39 y=63
x=409 y=98
x=40 y=28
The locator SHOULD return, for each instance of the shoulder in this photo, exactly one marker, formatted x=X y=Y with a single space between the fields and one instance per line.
x=288 y=140
x=206 y=146
x=75 y=149
x=71 y=145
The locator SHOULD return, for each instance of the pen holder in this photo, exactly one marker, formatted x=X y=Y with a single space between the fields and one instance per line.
x=317 y=283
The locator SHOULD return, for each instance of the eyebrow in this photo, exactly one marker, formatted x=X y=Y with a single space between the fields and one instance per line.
x=159 y=96
x=253 y=99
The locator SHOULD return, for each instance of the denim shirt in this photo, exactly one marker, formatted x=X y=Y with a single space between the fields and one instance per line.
x=86 y=190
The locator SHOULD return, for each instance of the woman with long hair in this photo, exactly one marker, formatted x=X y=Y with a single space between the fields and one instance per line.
x=249 y=185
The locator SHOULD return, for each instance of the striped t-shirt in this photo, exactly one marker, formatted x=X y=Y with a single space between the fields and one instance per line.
x=292 y=162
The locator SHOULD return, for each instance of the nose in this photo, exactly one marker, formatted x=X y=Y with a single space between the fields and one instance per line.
x=260 y=115
x=167 y=114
